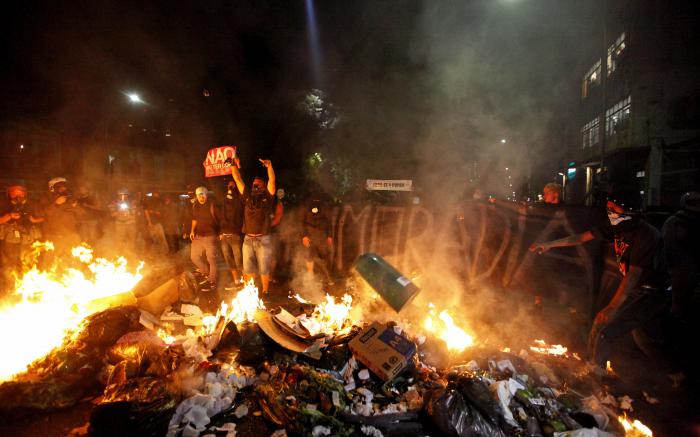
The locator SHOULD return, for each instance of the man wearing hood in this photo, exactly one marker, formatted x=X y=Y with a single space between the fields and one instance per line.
x=258 y=210
x=641 y=294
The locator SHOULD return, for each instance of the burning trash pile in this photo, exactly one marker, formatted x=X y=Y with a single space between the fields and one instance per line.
x=306 y=369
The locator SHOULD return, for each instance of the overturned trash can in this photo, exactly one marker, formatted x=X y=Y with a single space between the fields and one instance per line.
x=396 y=289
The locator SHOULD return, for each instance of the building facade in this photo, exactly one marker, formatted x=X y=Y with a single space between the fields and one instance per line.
x=638 y=117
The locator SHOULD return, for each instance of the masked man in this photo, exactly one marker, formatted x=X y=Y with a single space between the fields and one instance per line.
x=258 y=210
x=18 y=228
x=63 y=215
x=641 y=295
x=204 y=234
x=316 y=238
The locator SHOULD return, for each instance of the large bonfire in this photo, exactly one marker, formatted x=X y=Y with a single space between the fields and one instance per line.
x=49 y=304
x=49 y=307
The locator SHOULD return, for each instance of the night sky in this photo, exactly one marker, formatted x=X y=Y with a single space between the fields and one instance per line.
x=412 y=82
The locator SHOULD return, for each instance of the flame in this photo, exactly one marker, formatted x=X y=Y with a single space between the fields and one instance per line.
x=454 y=337
x=609 y=367
x=555 y=349
x=244 y=305
x=329 y=317
x=51 y=305
x=634 y=428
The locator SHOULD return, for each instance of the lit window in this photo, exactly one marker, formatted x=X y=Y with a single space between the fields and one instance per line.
x=591 y=79
x=614 y=53
x=590 y=133
x=617 y=117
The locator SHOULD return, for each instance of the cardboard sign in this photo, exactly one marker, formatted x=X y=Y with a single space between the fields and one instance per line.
x=382 y=350
x=389 y=185
x=214 y=162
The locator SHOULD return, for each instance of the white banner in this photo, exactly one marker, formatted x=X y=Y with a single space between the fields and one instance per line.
x=389 y=185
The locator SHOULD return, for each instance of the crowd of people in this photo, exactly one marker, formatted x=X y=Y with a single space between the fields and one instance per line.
x=242 y=228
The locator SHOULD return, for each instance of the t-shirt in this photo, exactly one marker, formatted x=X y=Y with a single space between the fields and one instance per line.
x=636 y=245
x=232 y=213
x=316 y=224
x=257 y=210
x=204 y=214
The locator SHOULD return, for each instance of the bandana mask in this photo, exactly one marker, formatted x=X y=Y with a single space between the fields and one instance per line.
x=616 y=219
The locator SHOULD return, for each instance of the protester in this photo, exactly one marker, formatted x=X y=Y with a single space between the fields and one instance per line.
x=152 y=209
x=681 y=234
x=18 y=230
x=230 y=234
x=552 y=194
x=640 y=296
x=316 y=239
x=62 y=217
x=171 y=225
x=92 y=213
x=124 y=212
x=257 y=212
x=203 y=235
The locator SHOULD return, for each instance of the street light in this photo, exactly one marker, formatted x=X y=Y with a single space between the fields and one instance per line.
x=503 y=141
x=134 y=98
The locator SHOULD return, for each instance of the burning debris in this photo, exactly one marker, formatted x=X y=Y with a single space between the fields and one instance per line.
x=300 y=370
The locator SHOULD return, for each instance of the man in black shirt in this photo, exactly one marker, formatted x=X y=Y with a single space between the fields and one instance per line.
x=641 y=296
x=316 y=238
x=231 y=220
x=257 y=222
x=203 y=234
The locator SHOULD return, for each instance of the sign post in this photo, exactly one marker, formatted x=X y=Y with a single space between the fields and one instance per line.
x=389 y=185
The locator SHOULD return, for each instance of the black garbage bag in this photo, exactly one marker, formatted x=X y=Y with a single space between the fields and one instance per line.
x=452 y=416
x=105 y=328
x=477 y=393
x=138 y=406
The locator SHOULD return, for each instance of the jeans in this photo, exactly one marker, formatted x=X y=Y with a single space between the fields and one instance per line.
x=205 y=245
x=231 y=248
x=257 y=254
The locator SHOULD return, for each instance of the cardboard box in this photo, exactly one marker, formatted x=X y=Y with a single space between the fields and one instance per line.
x=382 y=350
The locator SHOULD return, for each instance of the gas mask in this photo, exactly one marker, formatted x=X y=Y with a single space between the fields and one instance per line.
x=18 y=201
x=616 y=219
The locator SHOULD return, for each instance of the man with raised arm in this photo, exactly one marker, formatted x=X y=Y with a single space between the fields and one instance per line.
x=258 y=205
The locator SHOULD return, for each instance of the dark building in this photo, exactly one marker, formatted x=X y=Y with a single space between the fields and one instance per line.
x=638 y=117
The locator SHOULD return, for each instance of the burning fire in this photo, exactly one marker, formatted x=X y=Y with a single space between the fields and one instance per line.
x=329 y=317
x=543 y=348
x=634 y=428
x=52 y=304
x=454 y=337
x=244 y=305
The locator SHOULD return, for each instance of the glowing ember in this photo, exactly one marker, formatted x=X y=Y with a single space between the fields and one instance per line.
x=454 y=337
x=543 y=348
x=329 y=317
x=52 y=304
x=634 y=428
